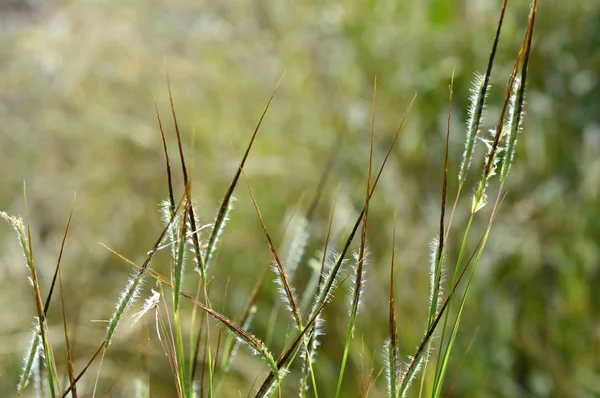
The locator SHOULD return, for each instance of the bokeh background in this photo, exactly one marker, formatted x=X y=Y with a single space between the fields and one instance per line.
x=77 y=82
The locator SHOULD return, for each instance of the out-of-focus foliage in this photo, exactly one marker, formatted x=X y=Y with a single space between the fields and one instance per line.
x=77 y=81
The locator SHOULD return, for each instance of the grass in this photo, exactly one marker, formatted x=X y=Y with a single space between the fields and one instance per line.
x=183 y=334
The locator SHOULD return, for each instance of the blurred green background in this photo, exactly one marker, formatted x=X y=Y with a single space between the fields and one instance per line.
x=77 y=80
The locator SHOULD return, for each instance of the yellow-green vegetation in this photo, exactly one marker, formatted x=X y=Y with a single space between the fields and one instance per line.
x=258 y=222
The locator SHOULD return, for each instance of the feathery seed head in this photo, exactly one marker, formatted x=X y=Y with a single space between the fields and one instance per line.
x=475 y=115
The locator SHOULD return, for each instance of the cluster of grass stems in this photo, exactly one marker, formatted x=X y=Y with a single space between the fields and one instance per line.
x=186 y=238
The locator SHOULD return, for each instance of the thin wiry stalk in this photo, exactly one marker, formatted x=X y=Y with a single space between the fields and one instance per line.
x=392 y=358
x=360 y=265
x=187 y=184
x=180 y=258
x=231 y=347
x=299 y=242
x=178 y=282
x=278 y=266
x=227 y=203
x=308 y=355
x=85 y=368
x=221 y=215
x=47 y=348
x=167 y=160
x=234 y=349
x=329 y=282
x=437 y=246
x=249 y=311
x=216 y=361
x=192 y=219
x=326 y=250
x=170 y=348
x=283 y=280
x=314 y=289
x=70 y=370
x=447 y=350
x=272 y=380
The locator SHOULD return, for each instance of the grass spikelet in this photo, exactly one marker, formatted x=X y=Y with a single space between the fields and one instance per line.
x=477 y=104
x=475 y=115
x=511 y=128
x=31 y=358
x=331 y=264
x=37 y=370
x=358 y=283
x=312 y=286
x=17 y=224
x=217 y=231
x=297 y=247
x=492 y=155
x=410 y=371
x=283 y=292
x=131 y=290
x=127 y=297
x=436 y=277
